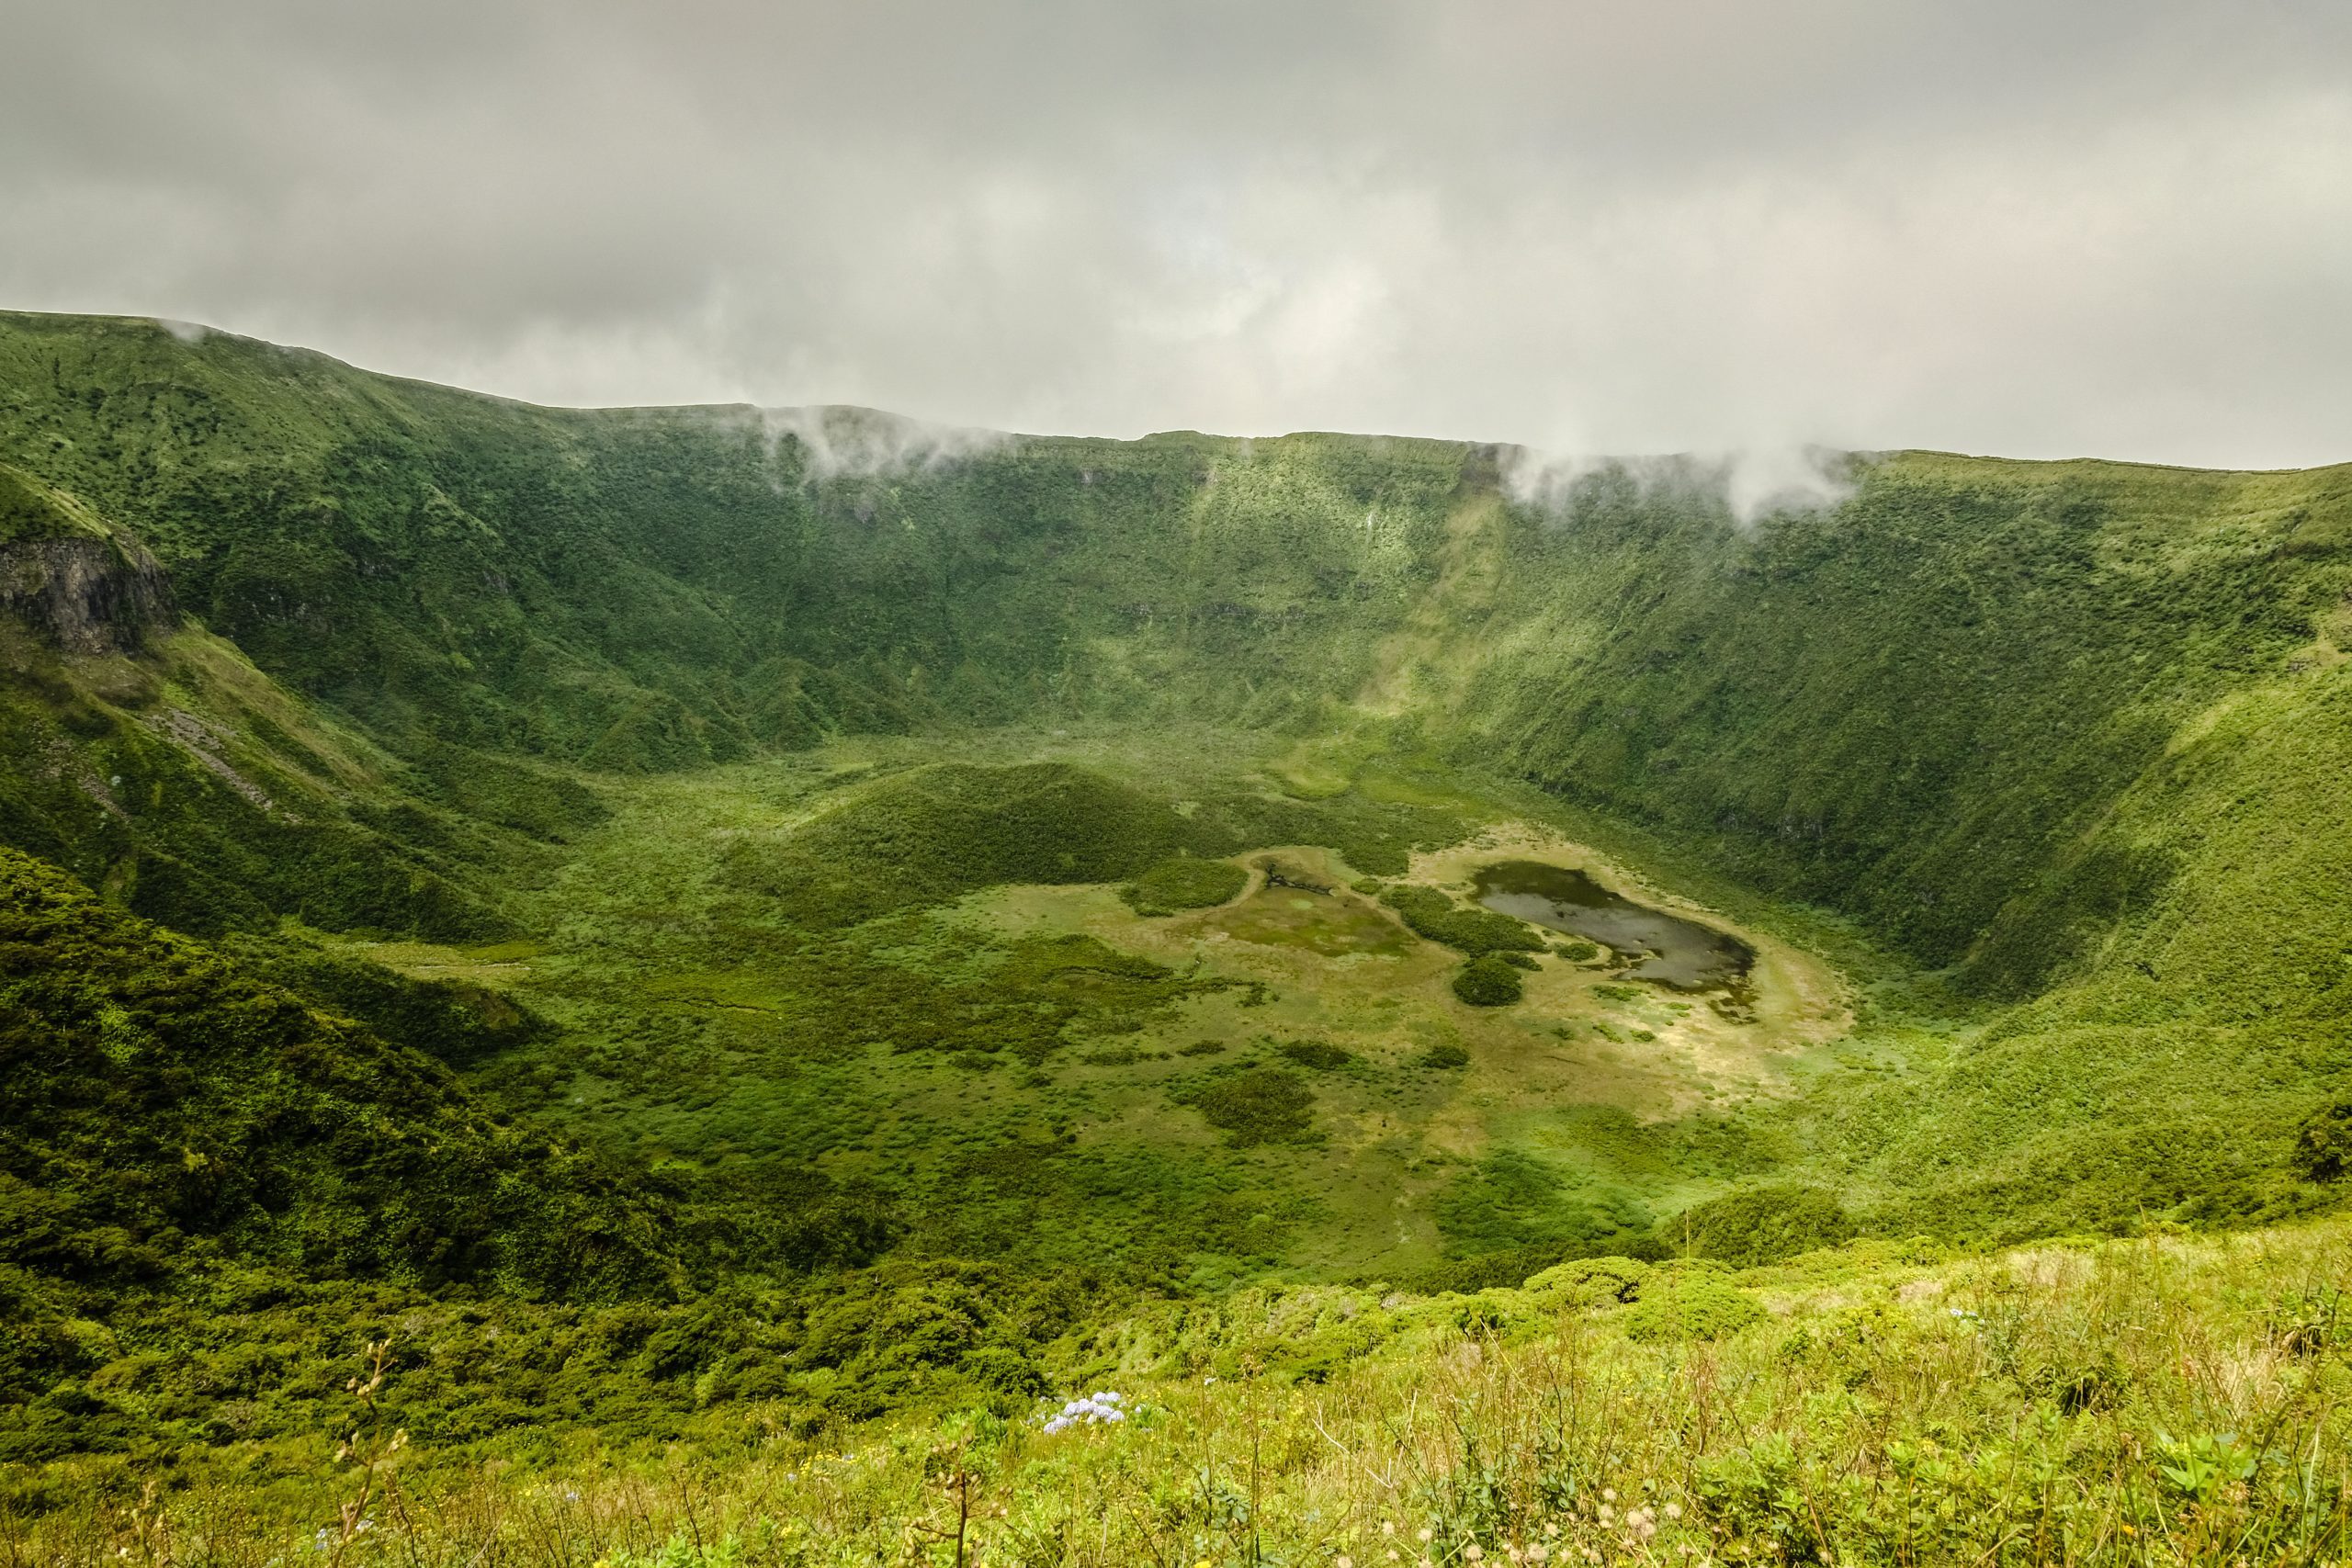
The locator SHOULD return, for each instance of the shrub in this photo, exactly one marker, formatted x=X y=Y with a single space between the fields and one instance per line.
x=1183 y=883
x=1432 y=914
x=1259 y=1105
x=1681 y=1304
x=1589 y=1282
x=1511 y=1201
x=1320 y=1055
x=2323 y=1145
x=1445 y=1058
x=942 y=832
x=1759 y=1224
x=1487 y=982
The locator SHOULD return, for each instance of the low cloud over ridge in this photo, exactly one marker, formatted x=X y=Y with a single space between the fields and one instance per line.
x=2123 y=230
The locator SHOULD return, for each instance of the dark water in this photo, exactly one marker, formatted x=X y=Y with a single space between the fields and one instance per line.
x=1653 y=945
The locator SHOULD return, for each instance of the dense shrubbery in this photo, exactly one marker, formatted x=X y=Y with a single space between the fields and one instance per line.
x=1256 y=1105
x=158 y=1108
x=943 y=831
x=1515 y=1205
x=457 y=1022
x=1475 y=931
x=1488 y=981
x=1318 y=1056
x=1183 y=883
x=1676 y=1303
x=1758 y=1225
x=2323 y=1144
x=1891 y=1409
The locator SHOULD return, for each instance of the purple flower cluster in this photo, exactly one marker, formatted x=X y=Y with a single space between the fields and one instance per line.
x=1087 y=1409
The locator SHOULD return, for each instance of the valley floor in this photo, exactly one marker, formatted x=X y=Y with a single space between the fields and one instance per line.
x=696 y=1031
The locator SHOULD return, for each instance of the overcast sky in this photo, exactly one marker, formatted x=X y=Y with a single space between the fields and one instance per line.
x=2035 y=227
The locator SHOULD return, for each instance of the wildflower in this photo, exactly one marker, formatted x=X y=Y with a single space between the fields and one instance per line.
x=1538 y=1552
x=1552 y=1529
x=1474 y=1552
x=1609 y=1495
x=1087 y=1410
x=1391 y=1555
x=1423 y=1535
x=1674 y=1510
x=1388 y=1527
x=1343 y=1561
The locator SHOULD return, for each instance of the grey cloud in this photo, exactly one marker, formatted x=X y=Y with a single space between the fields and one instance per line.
x=1684 y=224
x=838 y=442
x=1751 y=484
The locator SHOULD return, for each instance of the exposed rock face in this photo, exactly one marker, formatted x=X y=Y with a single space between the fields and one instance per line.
x=86 y=595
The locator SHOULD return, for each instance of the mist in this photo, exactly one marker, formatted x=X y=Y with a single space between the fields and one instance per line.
x=2103 y=229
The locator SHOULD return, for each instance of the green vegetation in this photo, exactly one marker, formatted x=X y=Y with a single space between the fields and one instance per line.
x=160 y=1108
x=1761 y=1225
x=1488 y=981
x=1183 y=883
x=1320 y=1056
x=1257 y=1105
x=1888 y=1405
x=1475 y=931
x=940 y=832
x=2323 y=1147
x=695 y=945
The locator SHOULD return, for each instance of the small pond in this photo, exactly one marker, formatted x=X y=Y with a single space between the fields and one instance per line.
x=1652 y=944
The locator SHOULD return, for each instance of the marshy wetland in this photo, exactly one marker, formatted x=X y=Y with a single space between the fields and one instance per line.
x=1650 y=944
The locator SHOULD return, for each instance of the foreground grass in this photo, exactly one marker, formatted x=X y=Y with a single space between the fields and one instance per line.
x=2162 y=1399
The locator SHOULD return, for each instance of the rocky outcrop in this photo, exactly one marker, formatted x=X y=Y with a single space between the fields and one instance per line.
x=85 y=595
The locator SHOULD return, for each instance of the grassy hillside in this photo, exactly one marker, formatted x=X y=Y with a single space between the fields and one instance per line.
x=2157 y=1401
x=969 y=891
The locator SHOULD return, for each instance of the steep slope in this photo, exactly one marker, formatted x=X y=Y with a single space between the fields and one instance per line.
x=1912 y=705
x=159 y=1107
